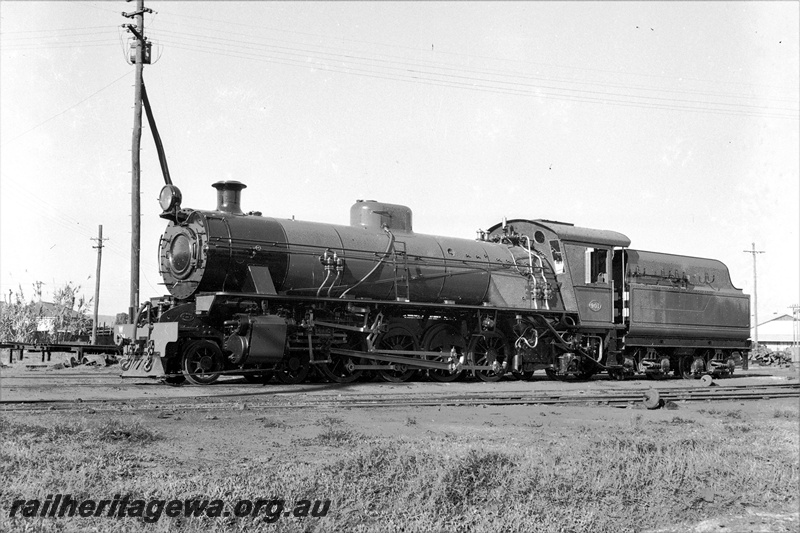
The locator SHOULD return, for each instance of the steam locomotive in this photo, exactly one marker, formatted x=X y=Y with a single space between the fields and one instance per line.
x=262 y=297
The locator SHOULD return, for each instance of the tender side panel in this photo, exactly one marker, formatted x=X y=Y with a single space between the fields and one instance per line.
x=667 y=312
x=655 y=267
x=684 y=301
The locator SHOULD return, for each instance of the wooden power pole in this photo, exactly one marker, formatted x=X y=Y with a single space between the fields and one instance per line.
x=141 y=55
x=795 y=333
x=755 y=300
x=99 y=247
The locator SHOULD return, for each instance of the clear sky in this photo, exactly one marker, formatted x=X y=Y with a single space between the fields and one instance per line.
x=674 y=123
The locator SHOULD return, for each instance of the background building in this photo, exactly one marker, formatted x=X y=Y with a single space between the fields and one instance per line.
x=780 y=333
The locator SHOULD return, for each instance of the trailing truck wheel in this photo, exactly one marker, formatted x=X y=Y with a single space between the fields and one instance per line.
x=490 y=349
x=202 y=362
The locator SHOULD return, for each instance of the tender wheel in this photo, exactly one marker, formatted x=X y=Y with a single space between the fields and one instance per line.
x=629 y=365
x=295 y=369
x=731 y=364
x=336 y=371
x=398 y=337
x=202 y=362
x=443 y=338
x=662 y=372
x=692 y=367
x=490 y=349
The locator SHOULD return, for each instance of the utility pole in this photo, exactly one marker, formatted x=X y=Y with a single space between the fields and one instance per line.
x=99 y=247
x=795 y=332
x=755 y=300
x=141 y=55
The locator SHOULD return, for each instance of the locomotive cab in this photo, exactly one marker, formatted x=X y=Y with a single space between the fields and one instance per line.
x=589 y=255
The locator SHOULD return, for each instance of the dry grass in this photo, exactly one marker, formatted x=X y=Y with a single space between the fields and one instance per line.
x=623 y=476
x=786 y=413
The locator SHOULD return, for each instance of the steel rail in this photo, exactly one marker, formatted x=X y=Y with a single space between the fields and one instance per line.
x=330 y=400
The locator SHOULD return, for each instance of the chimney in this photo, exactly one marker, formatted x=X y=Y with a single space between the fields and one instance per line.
x=229 y=194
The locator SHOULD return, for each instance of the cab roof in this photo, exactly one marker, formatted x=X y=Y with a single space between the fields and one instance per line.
x=568 y=232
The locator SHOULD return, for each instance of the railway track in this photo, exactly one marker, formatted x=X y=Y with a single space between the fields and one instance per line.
x=265 y=399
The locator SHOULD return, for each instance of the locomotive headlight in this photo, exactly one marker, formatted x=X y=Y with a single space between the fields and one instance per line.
x=169 y=198
x=180 y=254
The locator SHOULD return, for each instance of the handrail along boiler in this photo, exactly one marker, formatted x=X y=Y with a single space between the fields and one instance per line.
x=262 y=296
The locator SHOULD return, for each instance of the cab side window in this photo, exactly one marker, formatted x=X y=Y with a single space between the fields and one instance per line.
x=558 y=257
x=596 y=265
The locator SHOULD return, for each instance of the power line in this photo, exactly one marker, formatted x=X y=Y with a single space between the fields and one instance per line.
x=401 y=63
x=52 y=30
x=64 y=111
x=14 y=39
x=396 y=74
x=62 y=218
x=261 y=29
x=62 y=46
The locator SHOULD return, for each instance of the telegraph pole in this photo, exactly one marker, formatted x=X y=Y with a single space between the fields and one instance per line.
x=141 y=55
x=795 y=332
x=755 y=299
x=99 y=247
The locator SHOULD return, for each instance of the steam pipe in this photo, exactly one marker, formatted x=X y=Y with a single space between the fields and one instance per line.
x=379 y=263
x=324 y=281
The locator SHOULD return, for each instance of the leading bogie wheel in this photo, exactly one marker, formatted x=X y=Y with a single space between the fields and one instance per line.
x=295 y=369
x=202 y=362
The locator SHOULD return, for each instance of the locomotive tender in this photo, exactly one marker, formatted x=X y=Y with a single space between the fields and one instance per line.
x=259 y=296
